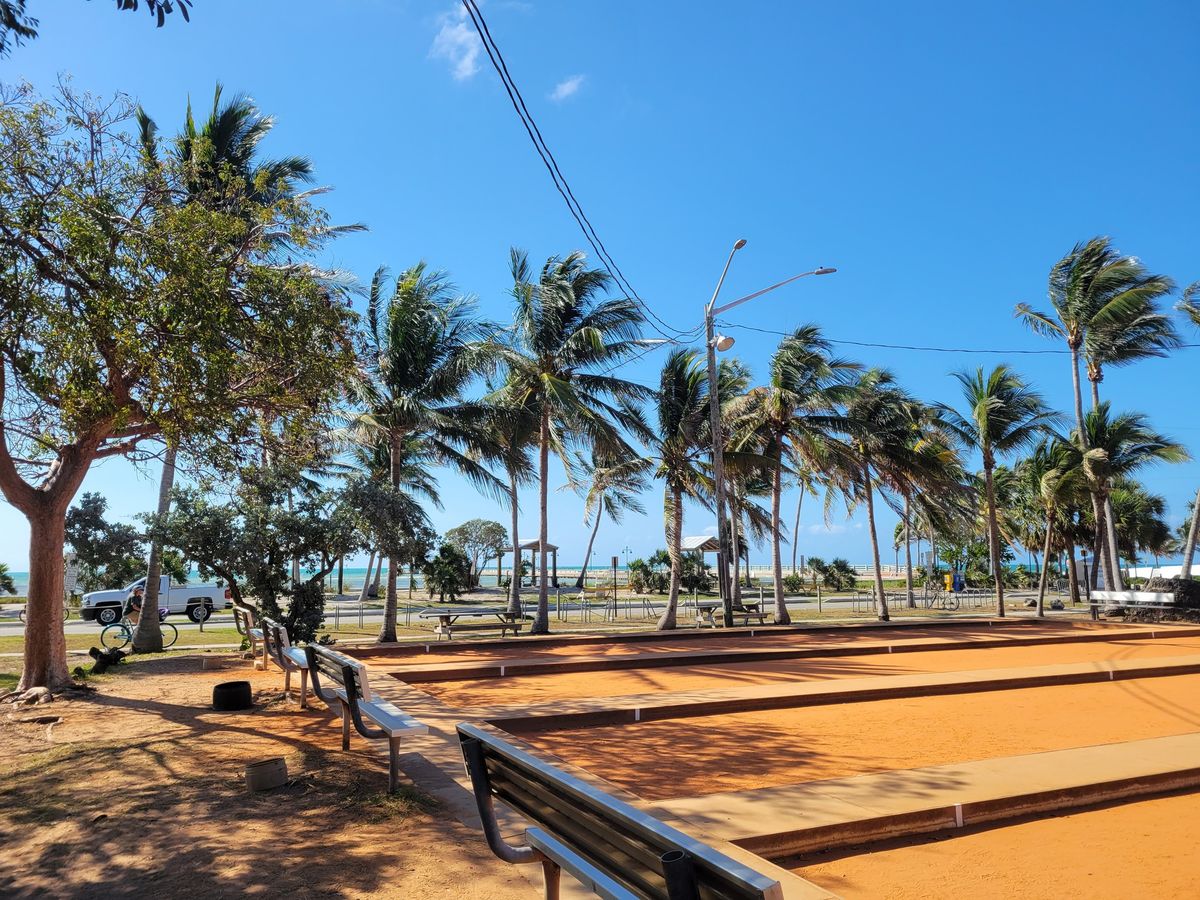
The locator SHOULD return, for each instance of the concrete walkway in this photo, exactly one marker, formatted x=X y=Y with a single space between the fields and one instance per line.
x=799 y=818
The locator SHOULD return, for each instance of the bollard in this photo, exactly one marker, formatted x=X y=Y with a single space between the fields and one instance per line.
x=360 y=614
x=818 y=600
x=337 y=613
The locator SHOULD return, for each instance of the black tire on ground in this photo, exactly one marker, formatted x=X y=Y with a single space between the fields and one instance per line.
x=199 y=613
x=106 y=615
x=232 y=695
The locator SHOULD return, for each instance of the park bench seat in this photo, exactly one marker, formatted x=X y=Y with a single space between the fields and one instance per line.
x=348 y=690
x=748 y=612
x=1137 y=600
x=289 y=659
x=245 y=619
x=613 y=848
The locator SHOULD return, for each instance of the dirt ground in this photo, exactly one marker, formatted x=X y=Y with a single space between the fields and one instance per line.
x=1110 y=853
x=136 y=788
x=573 y=685
x=742 y=751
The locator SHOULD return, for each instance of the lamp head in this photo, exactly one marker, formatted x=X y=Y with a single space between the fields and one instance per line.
x=722 y=342
x=824 y=270
x=739 y=244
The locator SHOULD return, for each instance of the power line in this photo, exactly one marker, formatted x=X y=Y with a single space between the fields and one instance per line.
x=915 y=347
x=556 y=175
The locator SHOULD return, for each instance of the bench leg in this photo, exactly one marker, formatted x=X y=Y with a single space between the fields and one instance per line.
x=304 y=688
x=551 y=874
x=287 y=684
x=393 y=765
x=345 y=727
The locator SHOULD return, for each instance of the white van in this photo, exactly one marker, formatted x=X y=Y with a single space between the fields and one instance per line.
x=197 y=602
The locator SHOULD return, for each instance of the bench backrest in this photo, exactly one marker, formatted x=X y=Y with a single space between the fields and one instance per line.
x=276 y=641
x=622 y=842
x=243 y=620
x=348 y=673
x=1152 y=597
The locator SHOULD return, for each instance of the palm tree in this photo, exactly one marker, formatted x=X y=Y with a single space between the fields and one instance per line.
x=1190 y=307
x=791 y=417
x=514 y=431
x=1053 y=478
x=221 y=171
x=1004 y=416
x=610 y=487
x=1105 y=307
x=565 y=342
x=1118 y=446
x=678 y=445
x=424 y=347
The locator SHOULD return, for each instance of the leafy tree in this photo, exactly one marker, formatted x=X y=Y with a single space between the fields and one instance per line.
x=1004 y=415
x=565 y=342
x=110 y=554
x=6 y=580
x=610 y=487
x=126 y=320
x=694 y=574
x=1190 y=307
x=18 y=26
x=1053 y=477
x=792 y=416
x=448 y=573
x=480 y=540
x=424 y=347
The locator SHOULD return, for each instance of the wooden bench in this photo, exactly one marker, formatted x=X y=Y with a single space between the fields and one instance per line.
x=1137 y=601
x=348 y=690
x=616 y=850
x=278 y=649
x=747 y=611
x=245 y=619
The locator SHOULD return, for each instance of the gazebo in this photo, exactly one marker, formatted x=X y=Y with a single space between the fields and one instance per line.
x=700 y=544
x=535 y=547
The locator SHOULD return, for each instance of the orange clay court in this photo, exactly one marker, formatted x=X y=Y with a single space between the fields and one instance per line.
x=914 y=761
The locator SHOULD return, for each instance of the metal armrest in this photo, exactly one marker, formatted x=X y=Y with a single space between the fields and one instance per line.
x=477 y=769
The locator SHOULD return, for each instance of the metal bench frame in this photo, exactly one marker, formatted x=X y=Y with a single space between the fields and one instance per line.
x=350 y=676
x=276 y=645
x=615 y=849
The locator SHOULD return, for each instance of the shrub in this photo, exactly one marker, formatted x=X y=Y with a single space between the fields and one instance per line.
x=793 y=584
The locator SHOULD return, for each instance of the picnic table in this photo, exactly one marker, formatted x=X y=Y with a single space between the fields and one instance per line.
x=746 y=610
x=448 y=620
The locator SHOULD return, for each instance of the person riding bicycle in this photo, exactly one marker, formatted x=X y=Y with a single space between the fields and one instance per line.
x=133 y=604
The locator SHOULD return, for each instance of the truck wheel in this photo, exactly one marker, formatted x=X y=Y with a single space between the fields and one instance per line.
x=199 y=613
x=106 y=615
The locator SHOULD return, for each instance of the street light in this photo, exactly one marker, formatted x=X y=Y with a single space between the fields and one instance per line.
x=714 y=342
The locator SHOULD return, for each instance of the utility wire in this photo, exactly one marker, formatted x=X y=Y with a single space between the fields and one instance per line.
x=915 y=347
x=556 y=175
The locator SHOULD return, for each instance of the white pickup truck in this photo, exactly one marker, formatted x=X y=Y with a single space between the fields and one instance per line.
x=197 y=602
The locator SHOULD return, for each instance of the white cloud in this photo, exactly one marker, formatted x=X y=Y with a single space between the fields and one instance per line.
x=711 y=529
x=826 y=529
x=566 y=88
x=458 y=44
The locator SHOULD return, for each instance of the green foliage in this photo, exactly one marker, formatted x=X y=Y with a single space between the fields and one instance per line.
x=645 y=577
x=793 y=584
x=837 y=575
x=251 y=540
x=448 y=573
x=111 y=554
x=6 y=580
x=480 y=540
x=694 y=573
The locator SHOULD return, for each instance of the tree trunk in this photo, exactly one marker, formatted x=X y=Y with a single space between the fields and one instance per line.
x=541 y=621
x=45 y=659
x=1102 y=556
x=781 y=610
x=736 y=545
x=147 y=637
x=362 y=595
x=994 y=536
x=1114 y=548
x=582 y=579
x=1072 y=575
x=673 y=514
x=514 y=583
x=908 y=570
x=1189 y=546
x=796 y=529
x=1041 y=600
x=387 y=631
x=880 y=596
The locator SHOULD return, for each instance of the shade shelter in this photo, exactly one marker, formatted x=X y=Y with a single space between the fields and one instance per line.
x=535 y=547
x=700 y=544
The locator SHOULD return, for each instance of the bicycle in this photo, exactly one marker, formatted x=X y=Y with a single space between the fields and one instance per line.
x=66 y=613
x=118 y=635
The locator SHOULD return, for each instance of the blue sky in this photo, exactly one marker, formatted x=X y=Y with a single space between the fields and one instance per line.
x=941 y=155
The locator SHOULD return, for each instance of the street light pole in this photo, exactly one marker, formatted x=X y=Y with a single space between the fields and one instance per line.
x=712 y=343
x=718 y=451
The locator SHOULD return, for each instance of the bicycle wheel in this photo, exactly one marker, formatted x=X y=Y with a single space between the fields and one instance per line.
x=115 y=637
x=170 y=634
x=21 y=614
x=950 y=603
x=66 y=613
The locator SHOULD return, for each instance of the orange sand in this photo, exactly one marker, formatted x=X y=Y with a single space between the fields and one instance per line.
x=541 y=688
x=1144 y=850
x=709 y=754
x=523 y=648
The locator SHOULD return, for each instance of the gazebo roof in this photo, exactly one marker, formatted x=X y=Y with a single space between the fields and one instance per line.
x=535 y=544
x=705 y=543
